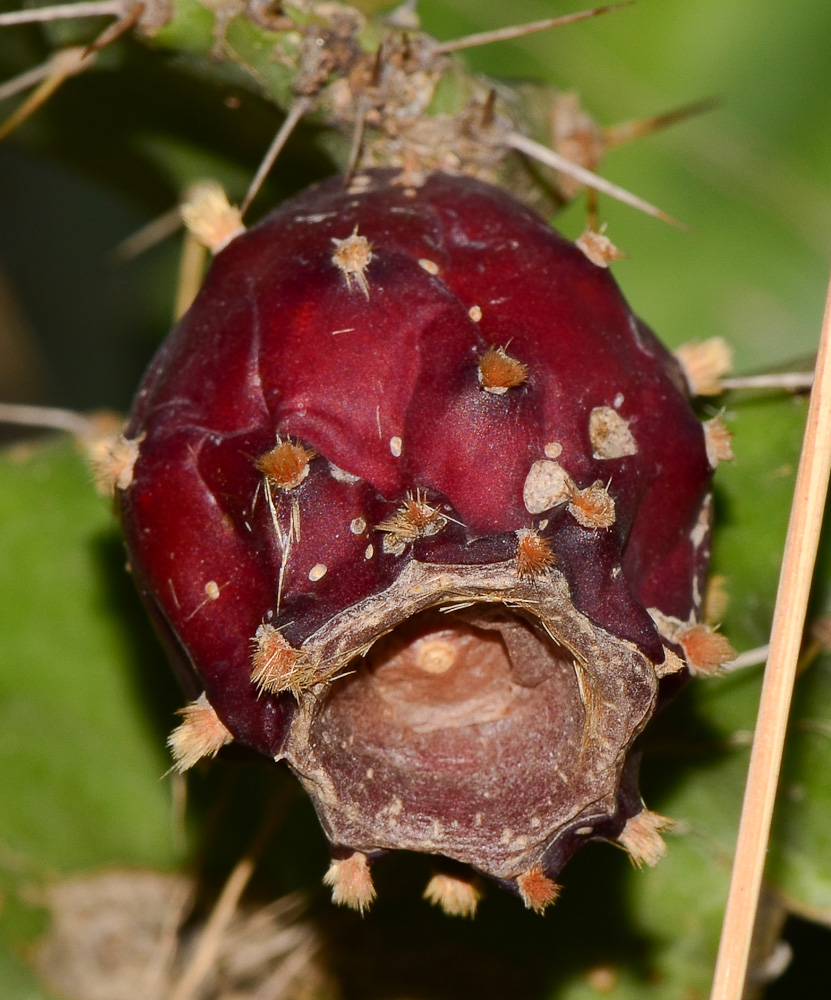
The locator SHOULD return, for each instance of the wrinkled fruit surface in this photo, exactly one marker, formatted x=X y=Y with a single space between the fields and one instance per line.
x=413 y=487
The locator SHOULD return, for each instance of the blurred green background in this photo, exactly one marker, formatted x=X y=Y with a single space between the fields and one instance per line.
x=85 y=698
x=751 y=179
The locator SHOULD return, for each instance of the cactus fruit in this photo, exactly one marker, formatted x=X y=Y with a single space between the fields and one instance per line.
x=423 y=510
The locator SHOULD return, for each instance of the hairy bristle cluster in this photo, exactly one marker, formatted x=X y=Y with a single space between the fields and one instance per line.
x=200 y=734
x=456 y=896
x=286 y=465
x=351 y=882
x=537 y=890
x=112 y=459
x=499 y=372
x=593 y=507
x=276 y=665
x=641 y=836
x=705 y=363
x=717 y=439
x=610 y=434
x=414 y=519
x=211 y=218
x=599 y=248
x=352 y=257
x=533 y=553
x=705 y=649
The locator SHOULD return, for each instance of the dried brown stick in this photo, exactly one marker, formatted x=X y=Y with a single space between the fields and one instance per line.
x=771 y=724
x=62 y=12
x=530 y=147
x=300 y=107
x=204 y=956
x=520 y=30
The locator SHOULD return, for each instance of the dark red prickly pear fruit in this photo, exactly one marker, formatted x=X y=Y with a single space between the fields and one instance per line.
x=423 y=509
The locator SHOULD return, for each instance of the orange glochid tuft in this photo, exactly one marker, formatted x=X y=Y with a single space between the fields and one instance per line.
x=533 y=553
x=414 y=519
x=276 y=665
x=538 y=891
x=593 y=507
x=287 y=464
x=499 y=372
x=705 y=649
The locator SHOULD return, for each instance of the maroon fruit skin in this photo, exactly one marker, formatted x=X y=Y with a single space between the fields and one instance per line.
x=384 y=390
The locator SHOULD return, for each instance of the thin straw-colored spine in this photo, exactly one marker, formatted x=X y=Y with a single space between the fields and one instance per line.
x=771 y=724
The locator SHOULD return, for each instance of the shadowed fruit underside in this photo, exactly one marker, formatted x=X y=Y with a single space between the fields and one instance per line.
x=422 y=508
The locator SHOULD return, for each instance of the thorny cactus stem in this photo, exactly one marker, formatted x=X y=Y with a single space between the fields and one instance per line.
x=389 y=94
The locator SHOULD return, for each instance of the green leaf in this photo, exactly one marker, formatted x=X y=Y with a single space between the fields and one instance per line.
x=753 y=500
x=798 y=860
x=81 y=749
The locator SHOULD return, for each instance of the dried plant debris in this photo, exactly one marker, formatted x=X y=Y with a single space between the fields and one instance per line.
x=127 y=934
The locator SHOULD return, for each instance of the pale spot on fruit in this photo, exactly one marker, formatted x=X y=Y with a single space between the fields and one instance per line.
x=553 y=449
x=610 y=435
x=546 y=485
x=395 y=446
x=342 y=476
x=369 y=551
x=475 y=313
x=317 y=572
x=436 y=656
x=430 y=266
x=212 y=590
x=358 y=526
